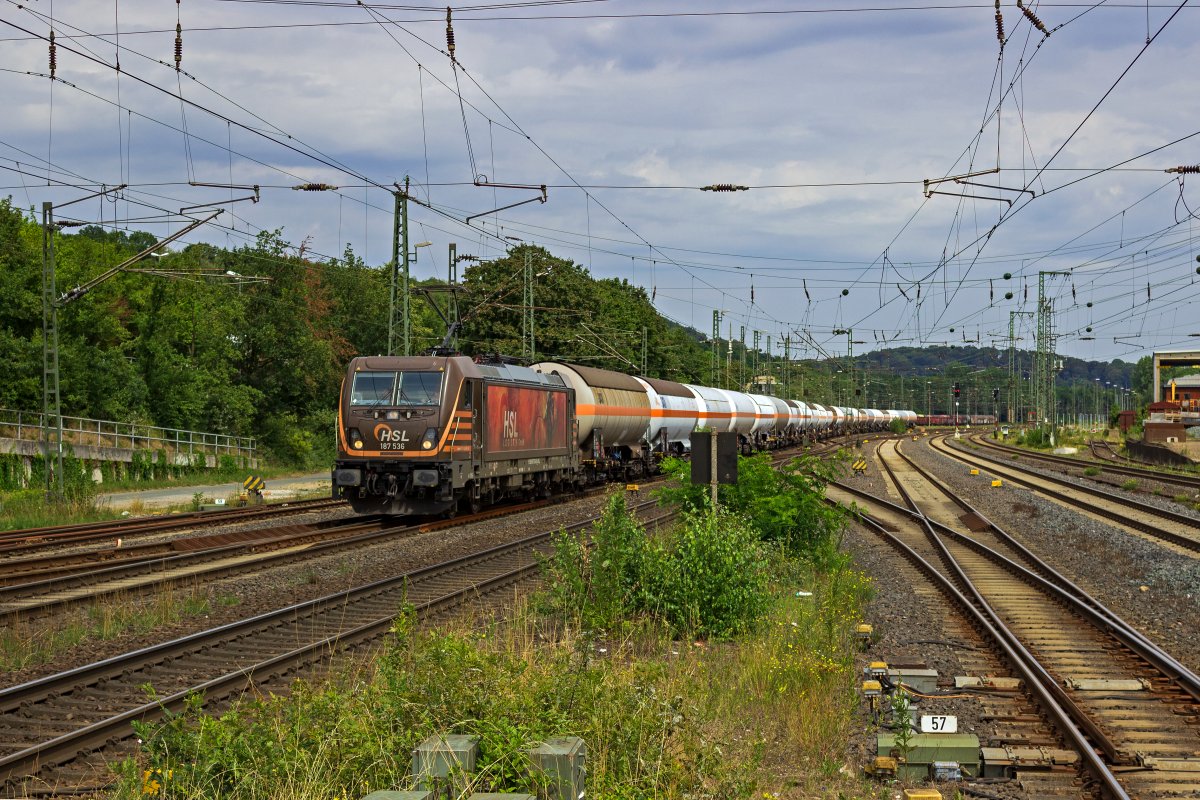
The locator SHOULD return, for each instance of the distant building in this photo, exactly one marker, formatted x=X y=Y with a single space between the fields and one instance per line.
x=1185 y=388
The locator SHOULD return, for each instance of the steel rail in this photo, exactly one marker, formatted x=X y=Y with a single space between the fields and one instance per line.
x=76 y=533
x=1080 y=719
x=371 y=526
x=1189 y=481
x=1021 y=659
x=1063 y=587
x=110 y=577
x=66 y=747
x=1175 y=538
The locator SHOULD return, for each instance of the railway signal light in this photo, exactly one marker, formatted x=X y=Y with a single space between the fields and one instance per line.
x=957 y=390
x=995 y=394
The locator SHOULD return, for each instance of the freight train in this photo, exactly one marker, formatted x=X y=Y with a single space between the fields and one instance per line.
x=428 y=435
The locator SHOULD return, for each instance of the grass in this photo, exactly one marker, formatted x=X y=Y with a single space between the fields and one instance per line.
x=763 y=704
x=30 y=644
x=1091 y=472
x=27 y=508
x=768 y=714
x=1130 y=485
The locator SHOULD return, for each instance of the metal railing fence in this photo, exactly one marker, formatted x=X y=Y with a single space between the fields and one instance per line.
x=28 y=426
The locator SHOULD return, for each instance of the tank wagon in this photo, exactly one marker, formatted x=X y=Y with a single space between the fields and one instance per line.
x=426 y=435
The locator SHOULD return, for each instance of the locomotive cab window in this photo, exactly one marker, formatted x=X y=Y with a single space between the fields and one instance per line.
x=373 y=389
x=419 y=389
x=396 y=389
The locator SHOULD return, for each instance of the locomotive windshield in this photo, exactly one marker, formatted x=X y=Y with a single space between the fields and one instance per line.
x=396 y=389
x=419 y=389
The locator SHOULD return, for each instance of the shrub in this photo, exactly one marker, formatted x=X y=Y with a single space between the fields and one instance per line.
x=1091 y=472
x=898 y=427
x=1036 y=437
x=1130 y=485
x=706 y=577
x=710 y=580
x=785 y=505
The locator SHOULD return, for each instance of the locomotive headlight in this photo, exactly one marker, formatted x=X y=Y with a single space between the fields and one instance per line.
x=428 y=440
x=356 y=439
x=393 y=415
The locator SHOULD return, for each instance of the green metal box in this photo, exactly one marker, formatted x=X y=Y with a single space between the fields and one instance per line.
x=925 y=748
x=445 y=762
x=558 y=767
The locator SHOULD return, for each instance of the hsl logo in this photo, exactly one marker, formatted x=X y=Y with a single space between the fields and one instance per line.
x=385 y=434
x=511 y=431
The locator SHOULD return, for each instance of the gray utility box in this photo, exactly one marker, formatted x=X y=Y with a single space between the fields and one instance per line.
x=558 y=767
x=388 y=794
x=445 y=762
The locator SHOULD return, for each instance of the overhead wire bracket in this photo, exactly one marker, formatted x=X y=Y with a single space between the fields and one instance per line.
x=80 y=291
x=541 y=198
x=252 y=197
x=961 y=180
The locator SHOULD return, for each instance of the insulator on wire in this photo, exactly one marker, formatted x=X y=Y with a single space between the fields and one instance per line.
x=53 y=55
x=316 y=187
x=1032 y=17
x=1185 y=170
x=178 y=45
x=724 y=187
x=449 y=32
x=1000 y=27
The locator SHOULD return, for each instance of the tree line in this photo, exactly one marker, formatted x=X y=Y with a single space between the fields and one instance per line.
x=253 y=340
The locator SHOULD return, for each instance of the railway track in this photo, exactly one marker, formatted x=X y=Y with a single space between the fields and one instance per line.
x=51 y=728
x=1191 y=482
x=1128 y=708
x=1172 y=527
x=62 y=582
x=32 y=539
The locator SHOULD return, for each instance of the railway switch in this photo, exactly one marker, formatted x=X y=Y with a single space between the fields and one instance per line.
x=558 y=767
x=442 y=763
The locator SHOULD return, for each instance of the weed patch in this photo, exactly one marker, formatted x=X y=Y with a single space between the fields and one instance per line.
x=706 y=577
x=661 y=717
x=24 y=644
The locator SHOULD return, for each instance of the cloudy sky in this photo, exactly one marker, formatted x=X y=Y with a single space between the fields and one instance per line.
x=833 y=112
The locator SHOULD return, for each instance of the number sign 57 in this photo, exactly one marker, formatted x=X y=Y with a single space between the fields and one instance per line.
x=939 y=723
